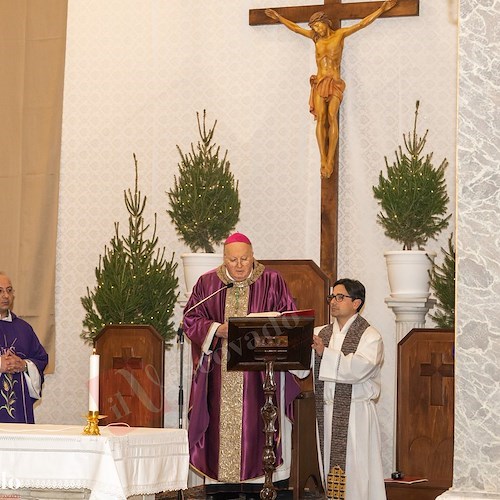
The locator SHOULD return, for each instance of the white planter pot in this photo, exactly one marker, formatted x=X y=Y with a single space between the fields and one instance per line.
x=408 y=273
x=196 y=264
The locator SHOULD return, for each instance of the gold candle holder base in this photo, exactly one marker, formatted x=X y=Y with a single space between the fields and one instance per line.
x=92 y=427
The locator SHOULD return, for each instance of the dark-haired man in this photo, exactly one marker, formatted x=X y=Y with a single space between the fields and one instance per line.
x=349 y=356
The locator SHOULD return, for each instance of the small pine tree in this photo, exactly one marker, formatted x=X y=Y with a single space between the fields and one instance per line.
x=442 y=281
x=135 y=283
x=204 y=201
x=413 y=197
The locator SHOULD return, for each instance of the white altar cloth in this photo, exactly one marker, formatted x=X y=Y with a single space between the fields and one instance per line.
x=121 y=462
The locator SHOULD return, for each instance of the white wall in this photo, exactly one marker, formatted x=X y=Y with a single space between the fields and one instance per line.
x=137 y=72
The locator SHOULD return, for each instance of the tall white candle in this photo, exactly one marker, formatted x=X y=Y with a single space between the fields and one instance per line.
x=94 y=382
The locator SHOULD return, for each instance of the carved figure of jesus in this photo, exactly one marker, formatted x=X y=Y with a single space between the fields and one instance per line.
x=327 y=87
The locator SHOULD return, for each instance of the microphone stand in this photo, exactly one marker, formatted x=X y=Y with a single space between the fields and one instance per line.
x=180 y=341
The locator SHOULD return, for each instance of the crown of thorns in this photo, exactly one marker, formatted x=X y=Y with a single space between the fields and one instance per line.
x=320 y=17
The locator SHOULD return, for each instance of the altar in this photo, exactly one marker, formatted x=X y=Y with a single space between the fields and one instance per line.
x=122 y=462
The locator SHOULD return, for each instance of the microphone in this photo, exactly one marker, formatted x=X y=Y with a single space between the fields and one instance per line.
x=229 y=285
x=180 y=341
x=180 y=331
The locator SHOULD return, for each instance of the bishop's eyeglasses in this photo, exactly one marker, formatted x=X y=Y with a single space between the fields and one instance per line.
x=339 y=297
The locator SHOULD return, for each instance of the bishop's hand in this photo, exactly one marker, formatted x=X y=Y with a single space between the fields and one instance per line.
x=222 y=331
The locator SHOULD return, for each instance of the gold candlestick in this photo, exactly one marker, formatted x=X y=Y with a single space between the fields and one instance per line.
x=92 y=427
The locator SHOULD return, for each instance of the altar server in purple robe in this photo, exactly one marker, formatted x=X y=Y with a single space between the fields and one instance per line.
x=22 y=361
x=226 y=435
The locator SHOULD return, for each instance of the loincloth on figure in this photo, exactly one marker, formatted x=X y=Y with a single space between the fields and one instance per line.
x=327 y=87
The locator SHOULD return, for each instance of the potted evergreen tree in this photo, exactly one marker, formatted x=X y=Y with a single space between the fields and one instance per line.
x=136 y=284
x=413 y=200
x=442 y=280
x=204 y=203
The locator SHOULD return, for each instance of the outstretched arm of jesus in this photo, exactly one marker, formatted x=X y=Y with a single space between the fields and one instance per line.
x=289 y=24
x=387 y=5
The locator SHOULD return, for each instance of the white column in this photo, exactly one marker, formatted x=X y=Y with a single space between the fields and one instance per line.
x=410 y=313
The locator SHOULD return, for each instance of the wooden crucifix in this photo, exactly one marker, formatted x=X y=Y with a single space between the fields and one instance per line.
x=336 y=11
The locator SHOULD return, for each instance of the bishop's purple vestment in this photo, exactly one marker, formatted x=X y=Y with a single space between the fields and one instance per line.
x=267 y=291
x=16 y=404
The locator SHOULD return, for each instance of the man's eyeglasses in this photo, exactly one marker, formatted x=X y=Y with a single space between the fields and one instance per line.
x=338 y=298
x=7 y=291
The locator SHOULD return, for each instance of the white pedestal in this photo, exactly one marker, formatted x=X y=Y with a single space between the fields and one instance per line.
x=410 y=313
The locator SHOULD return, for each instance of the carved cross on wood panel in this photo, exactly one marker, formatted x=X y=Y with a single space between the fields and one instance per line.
x=124 y=396
x=128 y=360
x=437 y=369
x=337 y=11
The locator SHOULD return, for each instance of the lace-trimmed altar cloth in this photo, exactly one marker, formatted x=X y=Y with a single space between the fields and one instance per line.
x=121 y=462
